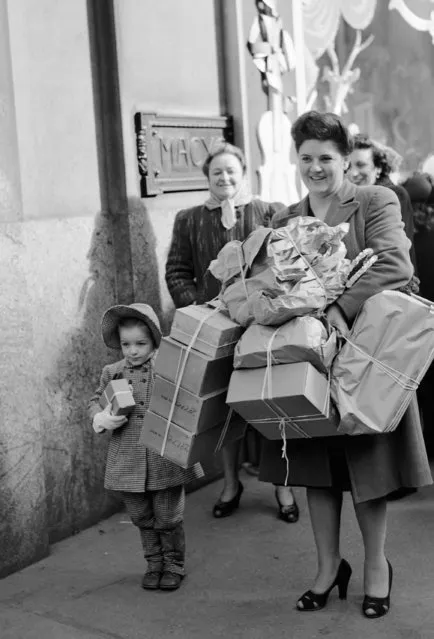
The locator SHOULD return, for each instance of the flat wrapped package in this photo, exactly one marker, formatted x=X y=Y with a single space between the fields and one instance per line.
x=302 y=339
x=384 y=358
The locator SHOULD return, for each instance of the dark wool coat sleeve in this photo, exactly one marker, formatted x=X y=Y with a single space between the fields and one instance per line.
x=180 y=275
x=407 y=212
x=378 y=225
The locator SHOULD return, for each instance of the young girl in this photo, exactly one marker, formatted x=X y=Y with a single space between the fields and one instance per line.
x=152 y=487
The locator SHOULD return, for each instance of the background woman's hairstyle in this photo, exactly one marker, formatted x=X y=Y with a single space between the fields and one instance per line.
x=222 y=148
x=322 y=127
x=379 y=155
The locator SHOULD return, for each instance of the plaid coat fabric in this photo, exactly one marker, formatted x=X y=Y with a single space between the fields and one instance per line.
x=198 y=236
x=132 y=467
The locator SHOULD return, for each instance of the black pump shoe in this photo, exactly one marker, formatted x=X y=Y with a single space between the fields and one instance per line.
x=312 y=601
x=379 y=605
x=226 y=508
x=289 y=514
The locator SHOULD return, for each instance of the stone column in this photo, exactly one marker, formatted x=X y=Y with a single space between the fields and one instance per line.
x=23 y=535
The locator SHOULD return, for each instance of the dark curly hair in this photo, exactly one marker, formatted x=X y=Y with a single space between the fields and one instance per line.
x=379 y=157
x=220 y=149
x=322 y=127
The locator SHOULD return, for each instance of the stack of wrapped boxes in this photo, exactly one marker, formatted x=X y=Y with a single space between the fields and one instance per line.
x=281 y=383
x=188 y=414
x=268 y=353
x=285 y=280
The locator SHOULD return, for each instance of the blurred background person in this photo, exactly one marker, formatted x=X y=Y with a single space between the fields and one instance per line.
x=420 y=187
x=372 y=163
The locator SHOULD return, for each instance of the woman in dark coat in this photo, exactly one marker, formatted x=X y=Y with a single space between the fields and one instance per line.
x=369 y=466
x=199 y=233
x=420 y=188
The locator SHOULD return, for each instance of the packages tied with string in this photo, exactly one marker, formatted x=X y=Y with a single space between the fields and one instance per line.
x=275 y=275
x=217 y=336
x=302 y=339
x=118 y=393
x=195 y=414
x=194 y=371
x=183 y=447
x=377 y=371
x=290 y=400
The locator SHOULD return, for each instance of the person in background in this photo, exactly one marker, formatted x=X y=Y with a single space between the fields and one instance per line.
x=420 y=187
x=199 y=233
x=151 y=487
x=371 y=164
x=369 y=466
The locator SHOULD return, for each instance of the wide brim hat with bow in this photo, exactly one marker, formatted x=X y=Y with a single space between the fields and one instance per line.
x=112 y=317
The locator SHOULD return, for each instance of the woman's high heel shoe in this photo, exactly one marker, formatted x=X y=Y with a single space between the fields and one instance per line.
x=226 y=508
x=379 y=606
x=315 y=601
x=290 y=514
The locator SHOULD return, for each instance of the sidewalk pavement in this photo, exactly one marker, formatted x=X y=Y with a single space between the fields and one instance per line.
x=244 y=576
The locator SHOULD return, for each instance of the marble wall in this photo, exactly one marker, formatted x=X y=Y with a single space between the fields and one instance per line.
x=59 y=241
x=57 y=259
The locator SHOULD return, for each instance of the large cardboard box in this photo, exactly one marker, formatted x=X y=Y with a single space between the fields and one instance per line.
x=202 y=375
x=183 y=447
x=195 y=414
x=118 y=394
x=218 y=334
x=298 y=399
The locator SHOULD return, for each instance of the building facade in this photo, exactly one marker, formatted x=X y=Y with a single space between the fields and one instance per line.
x=77 y=231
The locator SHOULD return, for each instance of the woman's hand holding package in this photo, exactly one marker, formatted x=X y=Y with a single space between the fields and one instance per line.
x=106 y=421
x=336 y=318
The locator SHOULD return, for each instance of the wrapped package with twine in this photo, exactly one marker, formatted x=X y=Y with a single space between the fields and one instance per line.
x=302 y=339
x=384 y=358
x=275 y=275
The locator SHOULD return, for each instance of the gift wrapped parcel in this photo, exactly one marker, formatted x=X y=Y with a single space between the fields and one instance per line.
x=275 y=275
x=302 y=339
x=388 y=351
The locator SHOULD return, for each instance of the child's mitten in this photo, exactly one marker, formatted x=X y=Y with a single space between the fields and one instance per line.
x=105 y=421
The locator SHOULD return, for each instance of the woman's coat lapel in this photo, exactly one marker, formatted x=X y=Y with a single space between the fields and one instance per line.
x=342 y=207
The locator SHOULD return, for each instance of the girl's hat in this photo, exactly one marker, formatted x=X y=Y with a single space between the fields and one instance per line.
x=112 y=317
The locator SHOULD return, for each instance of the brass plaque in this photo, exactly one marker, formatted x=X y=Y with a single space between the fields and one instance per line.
x=171 y=150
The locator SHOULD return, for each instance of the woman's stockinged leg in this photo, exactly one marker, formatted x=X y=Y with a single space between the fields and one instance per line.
x=284 y=495
x=230 y=456
x=372 y=518
x=325 y=514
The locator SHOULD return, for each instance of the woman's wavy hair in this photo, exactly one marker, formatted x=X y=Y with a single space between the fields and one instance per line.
x=220 y=149
x=322 y=127
x=379 y=156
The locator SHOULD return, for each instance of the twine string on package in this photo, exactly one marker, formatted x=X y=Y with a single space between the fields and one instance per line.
x=180 y=373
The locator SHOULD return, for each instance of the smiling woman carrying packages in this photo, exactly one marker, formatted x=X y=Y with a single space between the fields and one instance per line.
x=369 y=466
